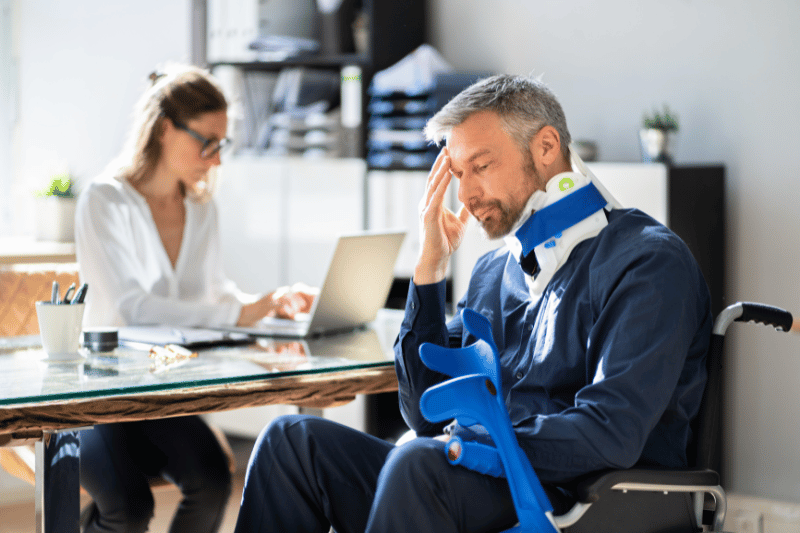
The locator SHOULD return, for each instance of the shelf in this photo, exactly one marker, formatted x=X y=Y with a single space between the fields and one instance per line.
x=19 y=250
x=314 y=61
x=396 y=168
x=393 y=30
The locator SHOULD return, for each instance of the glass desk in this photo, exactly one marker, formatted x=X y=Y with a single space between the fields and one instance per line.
x=46 y=402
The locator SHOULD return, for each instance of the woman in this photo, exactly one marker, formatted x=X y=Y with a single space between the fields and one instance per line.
x=148 y=246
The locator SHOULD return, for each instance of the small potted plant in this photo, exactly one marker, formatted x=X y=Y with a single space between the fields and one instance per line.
x=55 y=209
x=657 y=136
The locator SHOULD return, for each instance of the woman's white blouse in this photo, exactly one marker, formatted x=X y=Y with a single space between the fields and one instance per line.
x=131 y=279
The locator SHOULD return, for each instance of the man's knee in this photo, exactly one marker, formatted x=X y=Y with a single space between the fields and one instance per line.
x=293 y=428
x=417 y=462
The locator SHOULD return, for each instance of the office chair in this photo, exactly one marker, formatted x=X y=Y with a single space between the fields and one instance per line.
x=642 y=500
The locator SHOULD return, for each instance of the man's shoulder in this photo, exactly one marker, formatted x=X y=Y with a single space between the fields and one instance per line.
x=633 y=237
x=635 y=230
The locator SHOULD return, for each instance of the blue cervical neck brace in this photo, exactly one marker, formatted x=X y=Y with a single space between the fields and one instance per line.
x=549 y=221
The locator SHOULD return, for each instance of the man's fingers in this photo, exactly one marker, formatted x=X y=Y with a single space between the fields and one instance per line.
x=441 y=186
x=441 y=169
x=434 y=201
x=434 y=170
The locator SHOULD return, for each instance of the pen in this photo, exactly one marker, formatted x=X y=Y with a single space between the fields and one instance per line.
x=54 y=294
x=66 y=294
x=80 y=295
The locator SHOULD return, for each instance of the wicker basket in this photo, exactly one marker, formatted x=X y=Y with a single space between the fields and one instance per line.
x=23 y=285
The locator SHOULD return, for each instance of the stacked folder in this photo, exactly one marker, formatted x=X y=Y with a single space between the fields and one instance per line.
x=304 y=116
x=395 y=140
x=310 y=134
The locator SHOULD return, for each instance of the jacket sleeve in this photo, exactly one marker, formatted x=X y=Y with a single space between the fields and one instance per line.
x=424 y=321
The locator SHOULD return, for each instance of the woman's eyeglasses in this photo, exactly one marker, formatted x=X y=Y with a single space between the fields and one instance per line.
x=210 y=146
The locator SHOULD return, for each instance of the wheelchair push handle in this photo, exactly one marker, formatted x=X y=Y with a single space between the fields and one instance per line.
x=769 y=315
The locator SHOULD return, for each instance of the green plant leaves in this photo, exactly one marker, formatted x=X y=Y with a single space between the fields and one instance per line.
x=60 y=185
x=661 y=120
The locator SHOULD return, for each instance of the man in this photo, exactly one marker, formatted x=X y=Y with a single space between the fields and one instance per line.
x=602 y=326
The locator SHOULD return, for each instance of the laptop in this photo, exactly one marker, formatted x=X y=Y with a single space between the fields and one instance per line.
x=356 y=285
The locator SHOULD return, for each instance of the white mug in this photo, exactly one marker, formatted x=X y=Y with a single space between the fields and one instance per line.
x=60 y=329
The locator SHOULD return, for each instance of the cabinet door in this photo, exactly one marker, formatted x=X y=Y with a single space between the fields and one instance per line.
x=639 y=185
x=325 y=199
x=252 y=204
x=280 y=217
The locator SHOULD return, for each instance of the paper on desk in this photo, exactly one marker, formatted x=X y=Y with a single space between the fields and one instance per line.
x=414 y=74
x=182 y=336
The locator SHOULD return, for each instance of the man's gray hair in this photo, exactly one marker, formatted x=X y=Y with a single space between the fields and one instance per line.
x=524 y=105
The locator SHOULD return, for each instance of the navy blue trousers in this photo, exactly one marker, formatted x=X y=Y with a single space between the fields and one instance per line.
x=307 y=473
x=118 y=459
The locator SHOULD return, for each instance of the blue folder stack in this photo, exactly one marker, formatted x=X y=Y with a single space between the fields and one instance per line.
x=394 y=132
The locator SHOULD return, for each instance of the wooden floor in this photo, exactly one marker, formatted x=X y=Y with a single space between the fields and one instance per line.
x=19 y=518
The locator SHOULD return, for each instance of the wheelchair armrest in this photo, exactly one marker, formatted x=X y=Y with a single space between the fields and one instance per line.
x=590 y=490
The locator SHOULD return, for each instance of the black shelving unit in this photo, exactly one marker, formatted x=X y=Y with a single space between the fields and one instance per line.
x=696 y=213
x=395 y=29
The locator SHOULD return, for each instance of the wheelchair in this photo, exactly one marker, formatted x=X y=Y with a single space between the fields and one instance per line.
x=645 y=500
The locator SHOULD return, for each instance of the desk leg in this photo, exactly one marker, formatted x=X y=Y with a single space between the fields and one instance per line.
x=312 y=411
x=58 y=483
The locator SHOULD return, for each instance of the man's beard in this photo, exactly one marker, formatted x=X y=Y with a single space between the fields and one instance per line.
x=497 y=226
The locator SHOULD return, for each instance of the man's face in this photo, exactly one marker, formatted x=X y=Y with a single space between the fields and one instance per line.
x=495 y=177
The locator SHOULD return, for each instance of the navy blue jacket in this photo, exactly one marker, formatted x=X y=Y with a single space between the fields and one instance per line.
x=605 y=370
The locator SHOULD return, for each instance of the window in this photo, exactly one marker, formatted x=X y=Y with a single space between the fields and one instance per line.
x=8 y=88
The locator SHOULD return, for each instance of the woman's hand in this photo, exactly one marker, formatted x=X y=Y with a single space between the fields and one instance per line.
x=285 y=302
x=288 y=302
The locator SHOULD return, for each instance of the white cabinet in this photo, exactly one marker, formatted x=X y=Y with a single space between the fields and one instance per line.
x=251 y=200
x=280 y=217
x=279 y=221
x=639 y=185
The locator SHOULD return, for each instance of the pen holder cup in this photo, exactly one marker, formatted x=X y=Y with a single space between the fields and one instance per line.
x=60 y=328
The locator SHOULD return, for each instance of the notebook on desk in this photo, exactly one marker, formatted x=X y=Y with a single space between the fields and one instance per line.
x=145 y=336
x=358 y=280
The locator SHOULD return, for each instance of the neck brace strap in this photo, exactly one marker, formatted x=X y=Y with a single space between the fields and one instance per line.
x=569 y=211
x=543 y=241
x=550 y=221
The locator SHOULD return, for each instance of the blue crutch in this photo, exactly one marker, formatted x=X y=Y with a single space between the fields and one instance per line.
x=475 y=396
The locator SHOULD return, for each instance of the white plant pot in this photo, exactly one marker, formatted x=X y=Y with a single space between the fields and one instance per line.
x=657 y=145
x=55 y=219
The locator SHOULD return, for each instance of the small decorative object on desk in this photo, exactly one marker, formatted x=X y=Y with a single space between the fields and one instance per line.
x=55 y=209
x=100 y=340
x=657 y=136
x=169 y=356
